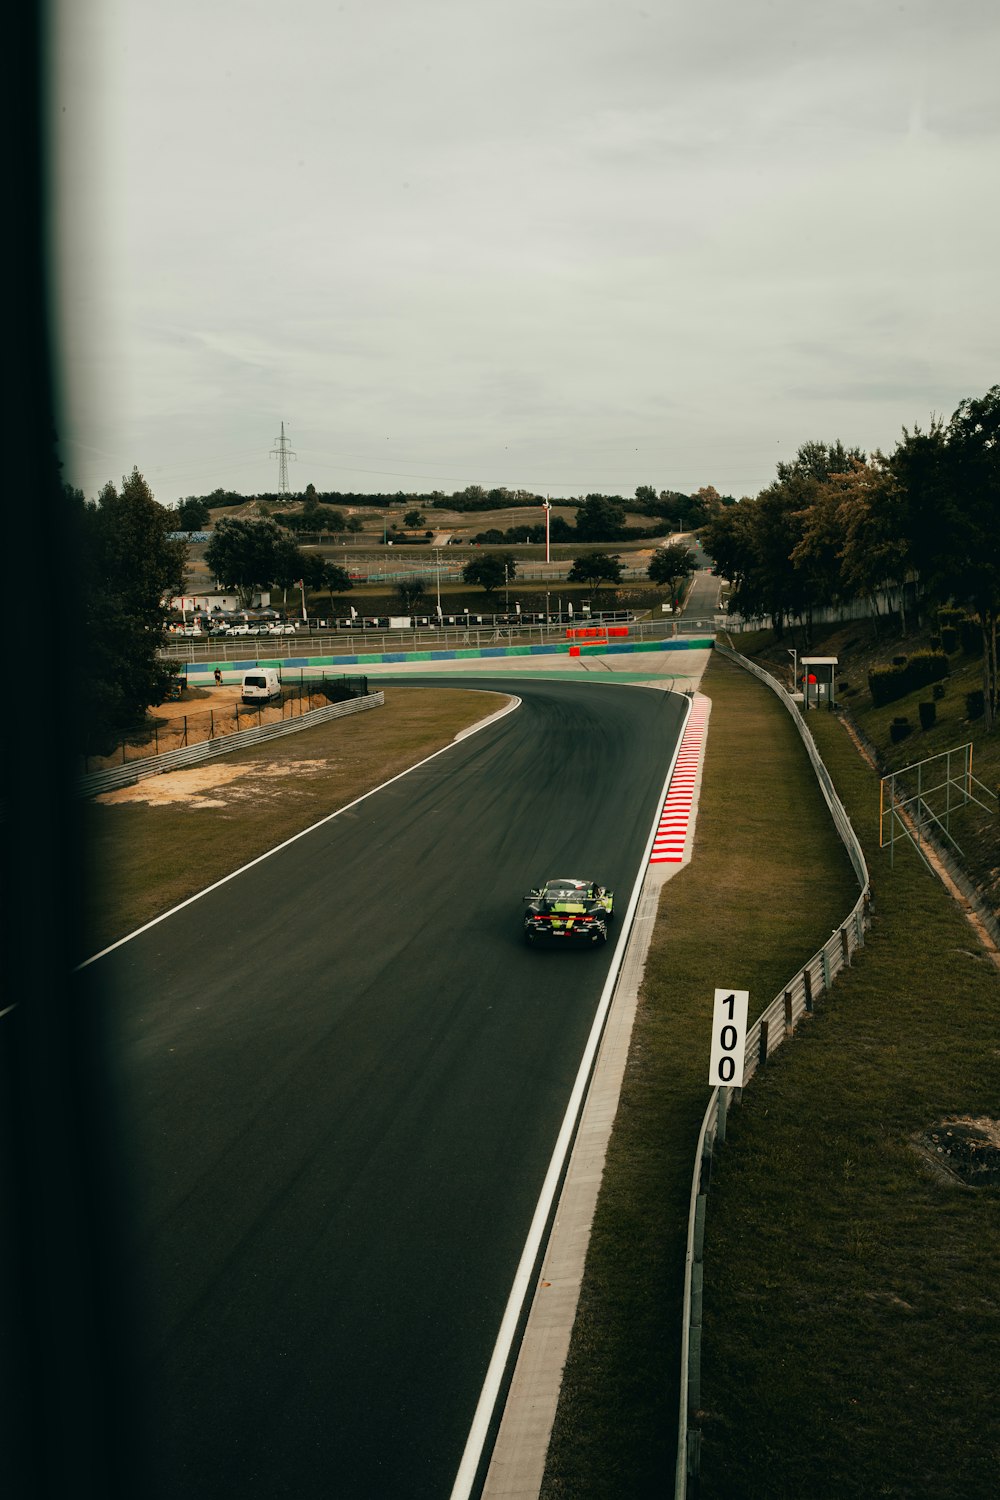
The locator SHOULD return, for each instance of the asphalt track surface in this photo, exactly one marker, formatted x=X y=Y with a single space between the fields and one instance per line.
x=342 y=1078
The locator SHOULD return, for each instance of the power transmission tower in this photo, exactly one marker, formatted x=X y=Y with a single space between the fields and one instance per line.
x=282 y=453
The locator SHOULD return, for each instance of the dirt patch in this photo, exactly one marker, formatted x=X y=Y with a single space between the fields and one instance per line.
x=205 y=698
x=189 y=787
x=967 y=1149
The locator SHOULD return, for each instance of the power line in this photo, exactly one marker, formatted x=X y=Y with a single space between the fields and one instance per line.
x=283 y=453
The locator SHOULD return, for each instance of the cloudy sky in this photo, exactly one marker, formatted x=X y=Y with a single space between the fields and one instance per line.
x=565 y=245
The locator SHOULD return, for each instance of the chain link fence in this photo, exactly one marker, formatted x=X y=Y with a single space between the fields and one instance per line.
x=167 y=734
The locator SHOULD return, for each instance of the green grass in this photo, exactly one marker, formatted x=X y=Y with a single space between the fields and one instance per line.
x=851 y=1309
x=976 y=831
x=851 y=1312
x=146 y=858
x=768 y=883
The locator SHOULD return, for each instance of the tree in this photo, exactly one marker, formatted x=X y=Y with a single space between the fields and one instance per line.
x=192 y=514
x=819 y=460
x=243 y=555
x=354 y=524
x=413 y=519
x=595 y=568
x=645 y=495
x=490 y=571
x=671 y=565
x=601 y=518
x=973 y=469
x=751 y=545
x=313 y=570
x=127 y=565
x=951 y=478
x=289 y=566
x=875 y=556
x=336 y=580
x=410 y=591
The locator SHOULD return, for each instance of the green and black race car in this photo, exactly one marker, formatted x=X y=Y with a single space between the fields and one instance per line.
x=568 y=910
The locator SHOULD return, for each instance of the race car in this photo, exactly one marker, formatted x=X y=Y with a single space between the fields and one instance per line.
x=568 y=910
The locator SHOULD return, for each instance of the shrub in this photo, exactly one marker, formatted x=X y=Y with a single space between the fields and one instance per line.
x=938 y=691
x=889 y=683
x=975 y=704
x=948 y=639
x=936 y=642
x=949 y=614
x=899 y=729
x=971 y=634
x=926 y=666
x=928 y=714
x=885 y=685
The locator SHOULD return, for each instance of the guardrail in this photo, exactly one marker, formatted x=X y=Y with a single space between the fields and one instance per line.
x=96 y=782
x=776 y=1022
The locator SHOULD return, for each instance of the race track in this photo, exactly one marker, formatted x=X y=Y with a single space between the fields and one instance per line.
x=342 y=1076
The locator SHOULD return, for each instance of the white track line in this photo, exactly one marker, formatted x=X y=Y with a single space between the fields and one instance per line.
x=501 y=713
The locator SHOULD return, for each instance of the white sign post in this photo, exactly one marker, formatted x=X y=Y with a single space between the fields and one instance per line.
x=729 y=1037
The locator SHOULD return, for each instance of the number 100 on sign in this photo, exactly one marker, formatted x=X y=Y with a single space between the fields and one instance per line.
x=729 y=1036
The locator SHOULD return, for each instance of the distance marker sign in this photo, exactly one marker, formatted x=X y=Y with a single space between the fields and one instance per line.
x=729 y=1037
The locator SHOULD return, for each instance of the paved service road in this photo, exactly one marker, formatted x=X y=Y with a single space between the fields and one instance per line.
x=343 y=1077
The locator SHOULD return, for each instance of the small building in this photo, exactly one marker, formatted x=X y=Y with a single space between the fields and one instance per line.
x=817 y=673
x=205 y=603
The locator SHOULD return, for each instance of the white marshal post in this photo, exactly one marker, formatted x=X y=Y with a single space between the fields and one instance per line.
x=548 y=508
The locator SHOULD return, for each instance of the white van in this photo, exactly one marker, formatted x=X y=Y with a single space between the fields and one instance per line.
x=261 y=685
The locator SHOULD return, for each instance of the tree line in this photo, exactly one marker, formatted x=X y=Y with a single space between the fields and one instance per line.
x=130 y=564
x=837 y=525
x=324 y=510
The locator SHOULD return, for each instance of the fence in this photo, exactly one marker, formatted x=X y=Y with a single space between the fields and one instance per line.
x=323 y=641
x=269 y=724
x=777 y=1022
x=297 y=698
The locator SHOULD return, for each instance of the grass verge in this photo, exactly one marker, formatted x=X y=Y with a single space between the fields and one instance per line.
x=851 y=1314
x=769 y=882
x=145 y=858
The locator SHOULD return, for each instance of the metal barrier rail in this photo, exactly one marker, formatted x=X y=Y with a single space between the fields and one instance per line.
x=775 y=1023
x=96 y=782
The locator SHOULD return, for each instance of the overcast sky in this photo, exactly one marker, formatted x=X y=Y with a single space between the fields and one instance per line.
x=565 y=245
